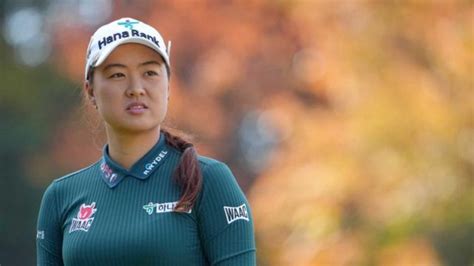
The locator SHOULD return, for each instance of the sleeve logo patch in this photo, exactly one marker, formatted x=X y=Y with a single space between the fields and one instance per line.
x=40 y=234
x=236 y=213
x=84 y=218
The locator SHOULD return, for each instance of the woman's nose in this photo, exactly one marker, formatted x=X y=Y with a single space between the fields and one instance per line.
x=135 y=87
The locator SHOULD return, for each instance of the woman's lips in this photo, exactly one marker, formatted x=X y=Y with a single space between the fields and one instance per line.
x=136 y=108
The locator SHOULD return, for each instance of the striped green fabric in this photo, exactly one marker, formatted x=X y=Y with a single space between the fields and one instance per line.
x=106 y=215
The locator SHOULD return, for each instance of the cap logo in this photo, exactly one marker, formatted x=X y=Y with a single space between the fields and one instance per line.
x=126 y=34
x=128 y=24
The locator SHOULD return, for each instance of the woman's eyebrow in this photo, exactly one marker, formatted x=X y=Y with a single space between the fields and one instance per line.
x=151 y=62
x=113 y=65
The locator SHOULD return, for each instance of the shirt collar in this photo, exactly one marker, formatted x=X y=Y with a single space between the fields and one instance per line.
x=113 y=173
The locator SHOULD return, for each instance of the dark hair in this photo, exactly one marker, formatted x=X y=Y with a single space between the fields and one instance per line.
x=188 y=173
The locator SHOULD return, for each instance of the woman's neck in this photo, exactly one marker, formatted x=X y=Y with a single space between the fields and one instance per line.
x=126 y=149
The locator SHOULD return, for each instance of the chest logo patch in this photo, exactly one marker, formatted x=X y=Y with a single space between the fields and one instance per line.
x=151 y=207
x=233 y=214
x=84 y=218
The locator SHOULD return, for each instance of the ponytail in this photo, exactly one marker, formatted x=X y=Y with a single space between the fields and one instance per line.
x=188 y=173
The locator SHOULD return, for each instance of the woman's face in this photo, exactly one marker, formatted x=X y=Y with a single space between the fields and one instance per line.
x=130 y=89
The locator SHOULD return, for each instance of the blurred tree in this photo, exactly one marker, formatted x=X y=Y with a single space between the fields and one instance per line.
x=32 y=102
x=385 y=171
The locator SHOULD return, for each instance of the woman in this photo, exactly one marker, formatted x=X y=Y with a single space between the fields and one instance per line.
x=150 y=200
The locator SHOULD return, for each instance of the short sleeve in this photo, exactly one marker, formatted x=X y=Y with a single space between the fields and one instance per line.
x=225 y=220
x=49 y=235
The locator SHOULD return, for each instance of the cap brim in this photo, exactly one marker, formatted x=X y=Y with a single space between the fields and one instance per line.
x=108 y=50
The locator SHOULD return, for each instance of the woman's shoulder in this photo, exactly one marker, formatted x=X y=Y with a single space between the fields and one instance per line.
x=205 y=161
x=209 y=164
x=79 y=175
x=216 y=172
x=70 y=183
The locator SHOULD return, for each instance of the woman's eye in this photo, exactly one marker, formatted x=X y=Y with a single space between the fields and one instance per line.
x=151 y=73
x=117 y=75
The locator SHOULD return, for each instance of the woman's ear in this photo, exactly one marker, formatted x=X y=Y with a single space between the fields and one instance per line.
x=90 y=92
x=88 y=89
x=169 y=92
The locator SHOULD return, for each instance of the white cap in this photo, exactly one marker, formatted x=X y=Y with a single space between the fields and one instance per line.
x=124 y=30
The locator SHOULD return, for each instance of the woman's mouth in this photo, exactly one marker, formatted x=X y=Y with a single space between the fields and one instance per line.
x=136 y=108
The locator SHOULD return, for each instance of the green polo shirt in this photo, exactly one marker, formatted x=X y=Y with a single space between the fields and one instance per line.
x=107 y=215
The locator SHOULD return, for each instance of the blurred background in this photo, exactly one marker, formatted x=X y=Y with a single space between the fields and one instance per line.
x=348 y=123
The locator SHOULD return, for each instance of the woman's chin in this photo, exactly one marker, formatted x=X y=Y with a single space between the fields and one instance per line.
x=134 y=128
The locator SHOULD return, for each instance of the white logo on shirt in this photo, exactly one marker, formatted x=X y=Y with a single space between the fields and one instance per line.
x=151 y=207
x=150 y=166
x=236 y=213
x=40 y=234
x=108 y=172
